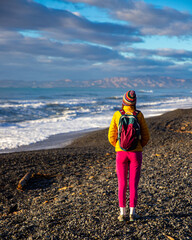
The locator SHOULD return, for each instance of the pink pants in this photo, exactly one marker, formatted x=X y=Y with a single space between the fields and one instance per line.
x=128 y=161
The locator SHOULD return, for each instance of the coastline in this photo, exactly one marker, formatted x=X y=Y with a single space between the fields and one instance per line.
x=74 y=195
x=55 y=141
x=62 y=140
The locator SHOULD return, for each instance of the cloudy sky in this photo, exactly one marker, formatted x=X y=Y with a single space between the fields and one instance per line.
x=50 y=40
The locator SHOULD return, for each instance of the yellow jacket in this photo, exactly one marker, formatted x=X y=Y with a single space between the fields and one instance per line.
x=113 y=130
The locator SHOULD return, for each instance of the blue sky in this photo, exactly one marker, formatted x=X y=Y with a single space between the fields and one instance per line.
x=49 y=40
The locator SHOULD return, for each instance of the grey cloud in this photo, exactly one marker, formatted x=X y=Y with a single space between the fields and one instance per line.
x=27 y=15
x=151 y=20
x=29 y=67
x=156 y=21
x=142 y=62
x=15 y=43
x=134 y=66
x=181 y=55
x=177 y=54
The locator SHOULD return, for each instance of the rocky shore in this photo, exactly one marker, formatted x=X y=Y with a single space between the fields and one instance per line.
x=72 y=192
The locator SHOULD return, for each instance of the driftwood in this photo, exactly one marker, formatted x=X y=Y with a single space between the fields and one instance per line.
x=24 y=180
x=42 y=175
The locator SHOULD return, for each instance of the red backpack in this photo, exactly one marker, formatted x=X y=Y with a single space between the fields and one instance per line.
x=128 y=130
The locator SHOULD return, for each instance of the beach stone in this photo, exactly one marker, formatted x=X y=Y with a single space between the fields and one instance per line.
x=88 y=207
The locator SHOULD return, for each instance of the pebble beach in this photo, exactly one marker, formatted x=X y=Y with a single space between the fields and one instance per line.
x=72 y=192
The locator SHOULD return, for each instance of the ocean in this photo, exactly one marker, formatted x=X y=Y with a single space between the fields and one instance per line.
x=30 y=117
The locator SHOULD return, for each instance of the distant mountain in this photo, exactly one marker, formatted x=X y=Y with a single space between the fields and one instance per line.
x=115 y=82
x=141 y=82
x=14 y=84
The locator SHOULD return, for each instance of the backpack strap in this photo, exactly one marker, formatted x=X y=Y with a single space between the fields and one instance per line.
x=122 y=112
x=136 y=112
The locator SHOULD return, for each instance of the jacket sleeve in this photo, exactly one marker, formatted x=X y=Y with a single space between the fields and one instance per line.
x=145 y=136
x=113 y=132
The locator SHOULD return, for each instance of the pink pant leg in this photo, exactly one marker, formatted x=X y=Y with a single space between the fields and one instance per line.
x=125 y=161
x=134 y=176
x=122 y=172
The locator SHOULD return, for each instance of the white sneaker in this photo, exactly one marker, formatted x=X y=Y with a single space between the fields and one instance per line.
x=121 y=218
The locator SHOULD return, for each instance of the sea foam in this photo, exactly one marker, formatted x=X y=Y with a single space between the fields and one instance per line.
x=35 y=119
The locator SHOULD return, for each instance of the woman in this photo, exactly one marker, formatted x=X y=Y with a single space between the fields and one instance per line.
x=128 y=160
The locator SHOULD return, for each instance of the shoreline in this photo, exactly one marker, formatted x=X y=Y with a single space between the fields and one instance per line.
x=53 y=142
x=62 y=140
